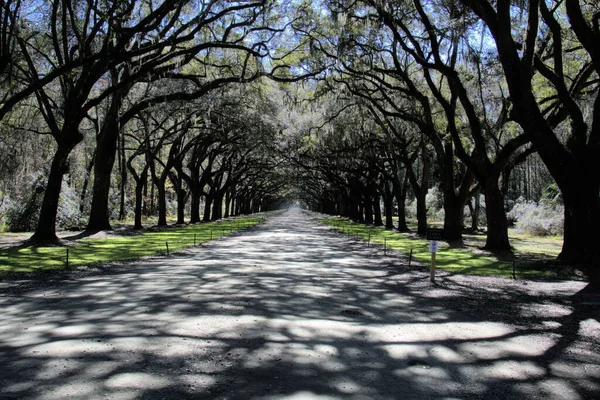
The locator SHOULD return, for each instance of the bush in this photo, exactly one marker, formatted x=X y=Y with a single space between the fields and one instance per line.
x=68 y=215
x=22 y=214
x=434 y=199
x=435 y=204
x=543 y=219
x=411 y=208
x=4 y=200
x=482 y=218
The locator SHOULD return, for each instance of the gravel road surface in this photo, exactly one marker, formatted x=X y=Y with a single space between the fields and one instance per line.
x=293 y=310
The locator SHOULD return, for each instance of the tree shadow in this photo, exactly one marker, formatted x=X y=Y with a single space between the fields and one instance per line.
x=290 y=310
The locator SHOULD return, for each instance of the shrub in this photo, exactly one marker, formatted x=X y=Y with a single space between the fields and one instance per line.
x=68 y=215
x=434 y=199
x=543 y=219
x=22 y=213
x=482 y=218
x=434 y=202
x=411 y=208
x=4 y=200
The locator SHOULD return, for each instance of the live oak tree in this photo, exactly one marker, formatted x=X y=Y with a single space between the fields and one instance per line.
x=424 y=56
x=228 y=43
x=557 y=48
x=220 y=41
x=89 y=40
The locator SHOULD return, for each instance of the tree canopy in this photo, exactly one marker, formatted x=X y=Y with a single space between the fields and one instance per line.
x=201 y=110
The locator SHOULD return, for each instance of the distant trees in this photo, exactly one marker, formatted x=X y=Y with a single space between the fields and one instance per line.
x=97 y=65
x=485 y=85
x=470 y=96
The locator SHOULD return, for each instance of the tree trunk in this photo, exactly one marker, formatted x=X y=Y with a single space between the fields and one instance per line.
x=421 y=196
x=255 y=205
x=145 y=203
x=454 y=204
x=368 y=208
x=233 y=205
x=388 y=205
x=140 y=186
x=46 y=228
x=106 y=149
x=181 y=197
x=238 y=204
x=122 y=212
x=497 y=224
x=162 y=202
x=453 y=219
x=400 y=193
x=139 y=199
x=582 y=219
x=217 y=211
x=377 y=211
x=207 y=203
x=152 y=208
x=421 y=188
x=195 y=205
x=475 y=209
x=227 y=203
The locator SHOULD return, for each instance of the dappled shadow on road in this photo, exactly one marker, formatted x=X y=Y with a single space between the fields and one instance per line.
x=294 y=310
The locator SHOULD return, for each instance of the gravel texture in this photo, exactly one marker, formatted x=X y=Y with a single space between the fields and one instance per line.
x=293 y=310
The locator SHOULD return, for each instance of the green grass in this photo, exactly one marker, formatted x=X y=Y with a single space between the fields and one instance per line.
x=456 y=260
x=92 y=251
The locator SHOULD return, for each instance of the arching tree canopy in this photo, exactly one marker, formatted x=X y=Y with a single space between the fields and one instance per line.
x=205 y=109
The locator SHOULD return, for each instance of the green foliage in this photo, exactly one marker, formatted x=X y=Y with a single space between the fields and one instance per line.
x=96 y=251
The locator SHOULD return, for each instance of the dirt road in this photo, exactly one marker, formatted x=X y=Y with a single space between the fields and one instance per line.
x=292 y=310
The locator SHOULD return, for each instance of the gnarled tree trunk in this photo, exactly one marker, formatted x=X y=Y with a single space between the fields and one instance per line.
x=46 y=228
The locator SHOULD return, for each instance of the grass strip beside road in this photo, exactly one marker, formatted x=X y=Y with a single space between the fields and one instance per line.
x=93 y=251
x=450 y=259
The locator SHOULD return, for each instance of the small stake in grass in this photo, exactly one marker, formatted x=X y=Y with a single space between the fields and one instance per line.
x=67 y=265
x=410 y=258
x=384 y=246
x=211 y=234
x=514 y=275
x=167 y=243
x=194 y=239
